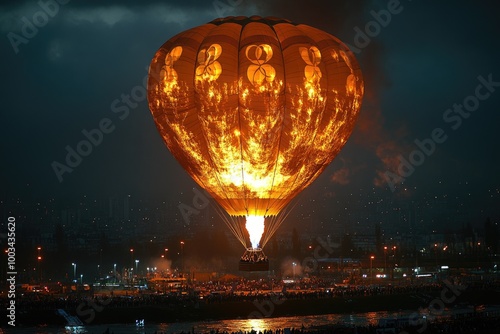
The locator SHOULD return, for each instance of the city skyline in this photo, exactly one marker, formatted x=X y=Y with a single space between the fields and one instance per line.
x=129 y=217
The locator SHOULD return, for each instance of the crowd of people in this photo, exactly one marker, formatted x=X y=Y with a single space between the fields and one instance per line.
x=196 y=294
x=237 y=290
x=241 y=289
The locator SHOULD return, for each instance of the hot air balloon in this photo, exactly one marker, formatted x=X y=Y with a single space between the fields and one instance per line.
x=254 y=109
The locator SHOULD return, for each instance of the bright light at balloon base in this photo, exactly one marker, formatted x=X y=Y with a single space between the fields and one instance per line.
x=255 y=228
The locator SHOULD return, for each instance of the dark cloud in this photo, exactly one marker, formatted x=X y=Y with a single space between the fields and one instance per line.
x=108 y=3
x=331 y=16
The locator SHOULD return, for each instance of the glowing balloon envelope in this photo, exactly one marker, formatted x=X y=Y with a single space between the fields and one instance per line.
x=254 y=109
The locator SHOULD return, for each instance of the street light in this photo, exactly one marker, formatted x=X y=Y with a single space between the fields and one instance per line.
x=436 y=255
x=6 y=270
x=39 y=259
x=114 y=271
x=394 y=261
x=81 y=279
x=136 y=264
x=478 y=253
x=74 y=270
x=371 y=268
x=385 y=259
x=293 y=269
x=164 y=255
x=182 y=255
x=131 y=257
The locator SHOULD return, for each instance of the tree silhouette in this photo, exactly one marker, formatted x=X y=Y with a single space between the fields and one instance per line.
x=103 y=248
x=467 y=237
x=60 y=239
x=491 y=236
x=220 y=243
x=295 y=243
x=378 y=237
x=61 y=256
x=346 y=246
x=274 y=247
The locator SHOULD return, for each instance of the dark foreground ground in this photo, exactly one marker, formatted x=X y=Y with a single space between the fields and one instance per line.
x=95 y=311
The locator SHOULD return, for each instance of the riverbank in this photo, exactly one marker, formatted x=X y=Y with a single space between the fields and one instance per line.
x=95 y=313
x=257 y=309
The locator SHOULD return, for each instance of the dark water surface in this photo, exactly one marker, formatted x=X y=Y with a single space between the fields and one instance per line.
x=360 y=319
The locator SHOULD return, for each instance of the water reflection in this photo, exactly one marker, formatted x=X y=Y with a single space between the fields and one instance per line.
x=360 y=319
x=75 y=329
x=236 y=325
x=255 y=324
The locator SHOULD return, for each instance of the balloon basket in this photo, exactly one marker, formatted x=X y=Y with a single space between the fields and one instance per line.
x=254 y=259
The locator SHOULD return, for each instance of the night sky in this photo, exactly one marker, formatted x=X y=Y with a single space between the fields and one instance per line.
x=64 y=79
